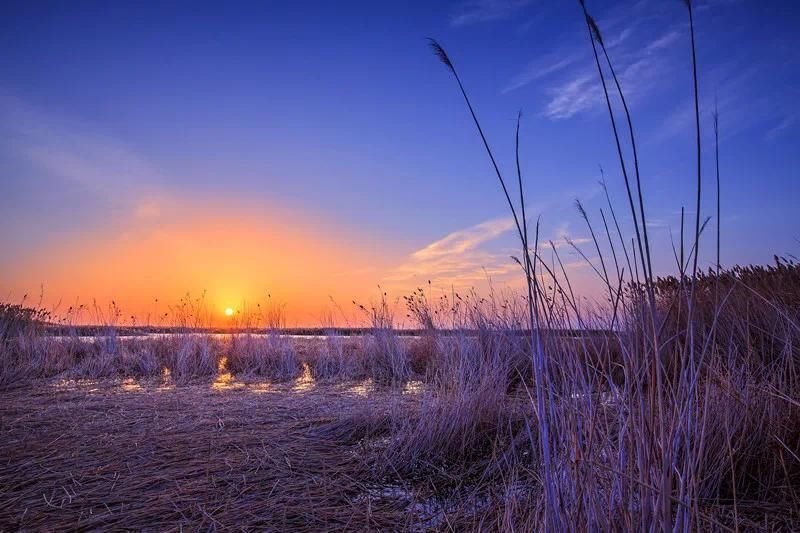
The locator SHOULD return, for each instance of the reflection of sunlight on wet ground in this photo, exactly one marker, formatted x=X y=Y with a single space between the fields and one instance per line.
x=131 y=385
x=68 y=384
x=166 y=381
x=362 y=388
x=224 y=379
x=367 y=386
x=305 y=382
x=413 y=387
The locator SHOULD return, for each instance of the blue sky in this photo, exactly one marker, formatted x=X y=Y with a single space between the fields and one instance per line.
x=117 y=119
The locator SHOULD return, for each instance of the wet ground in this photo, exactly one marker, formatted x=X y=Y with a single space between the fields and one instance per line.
x=211 y=455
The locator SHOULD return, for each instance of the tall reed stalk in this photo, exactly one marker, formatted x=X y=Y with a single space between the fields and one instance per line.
x=644 y=254
x=543 y=412
x=719 y=200
x=697 y=137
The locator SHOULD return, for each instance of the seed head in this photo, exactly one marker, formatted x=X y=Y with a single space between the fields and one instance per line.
x=581 y=210
x=595 y=29
x=441 y=54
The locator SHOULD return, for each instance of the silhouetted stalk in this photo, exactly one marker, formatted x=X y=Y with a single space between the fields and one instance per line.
x=616 y=223
x=551 y=518
x=594 y=33
x=550 y=272
x=719 y=218
x=697 y=132
x=566 y=277
x=635 y=157
x=682 y=265
x=611 y=245
x=657 y=405
x=716 y=161
x=528 y=272
x=604 y=276
x=530 y=269
x=693 y=249
x=442 y=55
x=693 y=365
x=588 y=261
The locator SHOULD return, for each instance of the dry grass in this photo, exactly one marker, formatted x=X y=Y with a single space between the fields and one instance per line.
x=643 y=427
x=142 y=432
x=271 y=357
x=337 y=359
x=676 y=406
x=100 y=457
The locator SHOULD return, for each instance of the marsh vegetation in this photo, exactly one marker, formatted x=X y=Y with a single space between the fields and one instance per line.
x=435 y=431
x=674 y=404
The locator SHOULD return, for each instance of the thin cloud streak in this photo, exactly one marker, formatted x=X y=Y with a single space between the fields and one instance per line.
x=541 y=68
x=478 y=11
x=568 y=76
x=784 y=124
x=73 y=152
x=460 y=258
x=465 y=240
x=456 y=258
x=643 y=66
x=574 y=96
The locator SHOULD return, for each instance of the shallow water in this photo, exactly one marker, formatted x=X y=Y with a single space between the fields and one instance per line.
x=93 y=338
x=224 y=381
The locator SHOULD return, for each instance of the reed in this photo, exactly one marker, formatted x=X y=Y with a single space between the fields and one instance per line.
x=270 y=356
x=459 y=450
x=673 y=405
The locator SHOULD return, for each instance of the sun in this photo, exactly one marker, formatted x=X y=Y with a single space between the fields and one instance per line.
x=228 y=311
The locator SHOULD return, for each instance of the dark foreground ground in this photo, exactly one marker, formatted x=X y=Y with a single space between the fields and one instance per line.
x=150 y=456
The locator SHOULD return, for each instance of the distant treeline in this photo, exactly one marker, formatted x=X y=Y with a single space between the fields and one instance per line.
x=127 y=331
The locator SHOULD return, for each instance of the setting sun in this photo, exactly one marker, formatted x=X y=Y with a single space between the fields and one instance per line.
x=228 y=311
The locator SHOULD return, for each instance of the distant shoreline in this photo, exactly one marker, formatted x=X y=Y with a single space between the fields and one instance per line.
x=133 y=331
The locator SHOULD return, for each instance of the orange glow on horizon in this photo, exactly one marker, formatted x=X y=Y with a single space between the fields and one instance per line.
x=202 y=263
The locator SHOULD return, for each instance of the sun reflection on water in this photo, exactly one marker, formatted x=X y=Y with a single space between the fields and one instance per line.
x=305 y=382
x=131 y=385
x=361 y=389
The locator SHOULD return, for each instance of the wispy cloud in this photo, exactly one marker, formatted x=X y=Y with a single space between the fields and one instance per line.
x=477 y=11
x=664 y=41
x=470 y=256
x=465 y=240
x=573 y=96
x=711 y=4
x=68 y=150
x=730 y=88
x=542 y=67
x=783 y=125
x=639 y=46
x=641 y=67
x=458 y=258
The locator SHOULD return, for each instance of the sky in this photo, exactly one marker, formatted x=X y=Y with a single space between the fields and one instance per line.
x=318 y=152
